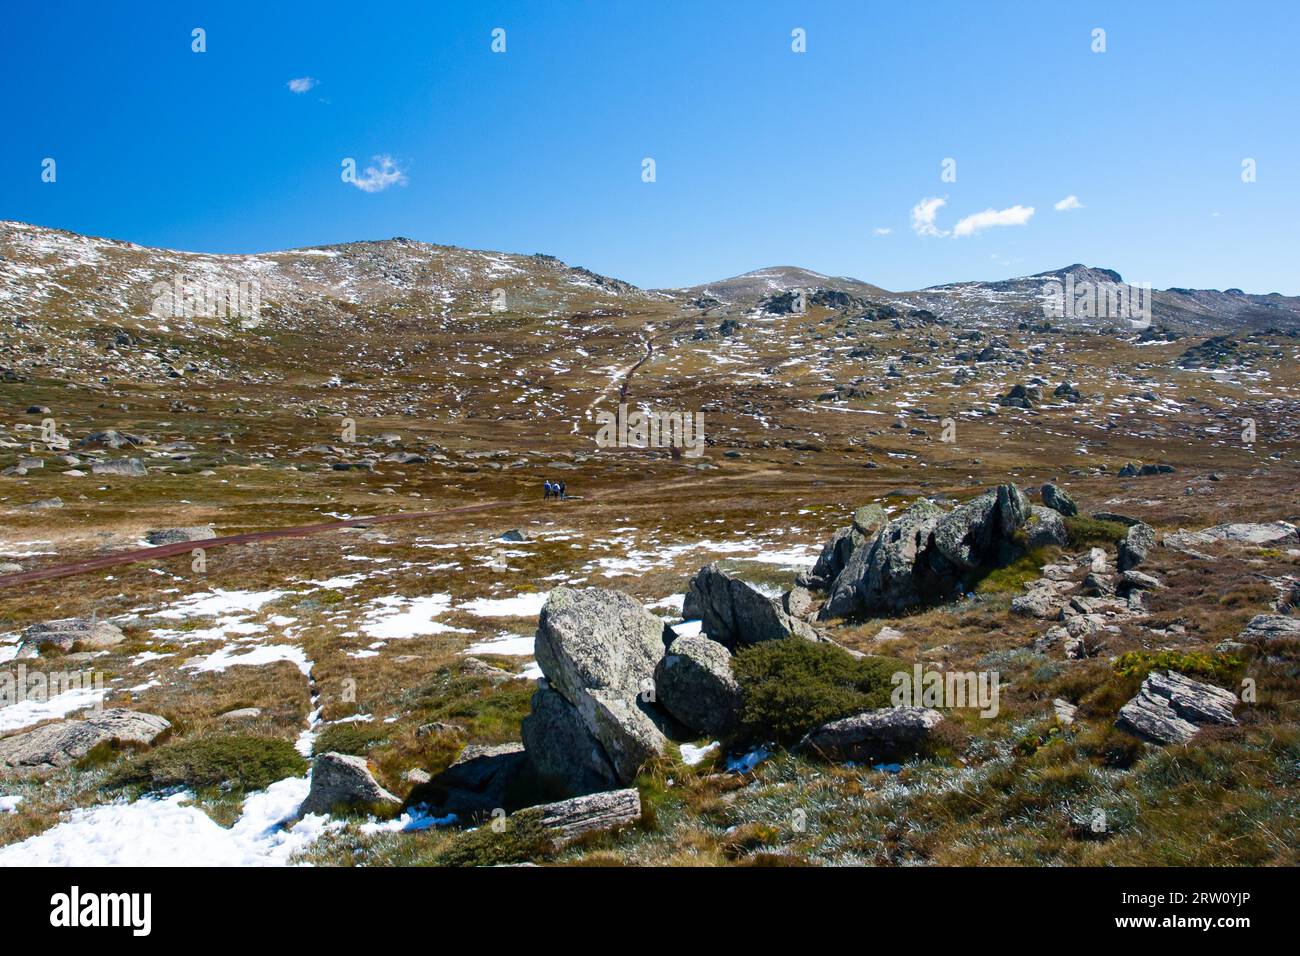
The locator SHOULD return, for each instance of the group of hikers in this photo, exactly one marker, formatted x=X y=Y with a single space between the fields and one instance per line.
x=554 y=489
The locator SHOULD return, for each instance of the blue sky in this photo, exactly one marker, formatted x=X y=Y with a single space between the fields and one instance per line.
x=763 y=156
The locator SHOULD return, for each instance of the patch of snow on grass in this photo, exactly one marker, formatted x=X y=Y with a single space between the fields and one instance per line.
x=217 y=602
x=149 y=831
x=266 y=654
x=521 y=605
x=393 y=617
x=28 y=712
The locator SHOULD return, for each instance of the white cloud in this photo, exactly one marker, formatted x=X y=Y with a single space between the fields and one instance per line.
x=377 y=179
x=1069 y=202
x=302 y=84
x=882 y=231
x=923 y=214
x=1013 y=216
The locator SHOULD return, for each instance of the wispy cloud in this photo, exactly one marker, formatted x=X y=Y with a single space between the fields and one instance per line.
x=302 y=84
x=882 y=230
x=1013 y=216
x=923 y=214
x=1069 y=202
x=379 y=177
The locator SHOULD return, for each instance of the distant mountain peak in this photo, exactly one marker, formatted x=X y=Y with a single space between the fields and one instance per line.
x=1081 y=273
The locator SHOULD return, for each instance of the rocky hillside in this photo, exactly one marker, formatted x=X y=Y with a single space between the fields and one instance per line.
x=315 y=606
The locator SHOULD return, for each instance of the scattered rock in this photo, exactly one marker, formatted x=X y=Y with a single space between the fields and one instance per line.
x=477 y=783
x=515 y=535
x=1097 y=584
x=885 y=734
x=1271 y=627
x=1059 y=500
x=66 y=634
x=111 y=438
x=126 y=467
x=1064 y=711
x=44 y=504
x=1040 y=602
x=64 y=742
x=241 y=713
x=481 y=668
x=1135 y=545
x=570 y=819
x=1142 y=582
x=341 y=780
x=1171 y=708
x=177 y=535
x=1257 y=534
x=1021 y=396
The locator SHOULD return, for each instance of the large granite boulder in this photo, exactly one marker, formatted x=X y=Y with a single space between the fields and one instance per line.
x=695 y=684
x=1170 y=708
x=734 y=614
x=834 y=556
x=964 y=536
x=884 y=576
x=594 y=721
x=597 y=639
x=562 y=749
x=1044 y=528
x=64 y=742
x=926 y=554
x=885 y=734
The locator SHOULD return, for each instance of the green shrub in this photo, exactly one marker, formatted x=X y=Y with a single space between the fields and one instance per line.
x=1012 y=578
x=790 y=686
x=1221 y=668
x=227 y=763
x=522 y=839
x=1083 y=531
